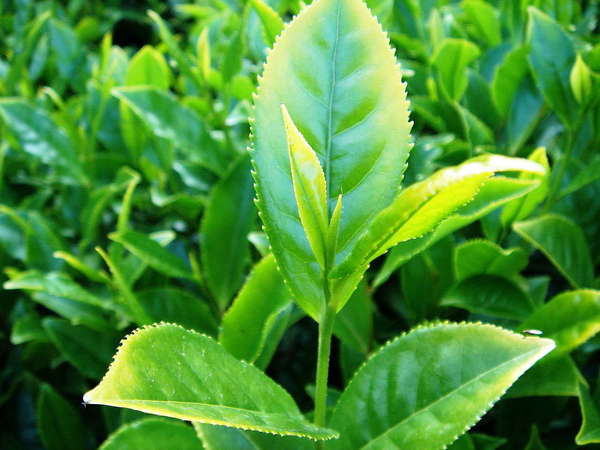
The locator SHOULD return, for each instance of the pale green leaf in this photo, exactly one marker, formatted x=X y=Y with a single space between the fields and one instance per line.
x=167 y=370
x=271 y=21
x=581 y=80
x=495 y=192
x=522 y=207
x=411 y=393
x=421 y=207
x=332 y=67
x=148 y=67
x=563 y=243
x=309 y=188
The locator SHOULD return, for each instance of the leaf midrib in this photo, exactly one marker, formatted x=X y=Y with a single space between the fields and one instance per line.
x=453 y=391
x=329 y=139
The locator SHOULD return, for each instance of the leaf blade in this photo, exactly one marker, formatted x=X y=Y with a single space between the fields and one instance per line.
x=139 y=380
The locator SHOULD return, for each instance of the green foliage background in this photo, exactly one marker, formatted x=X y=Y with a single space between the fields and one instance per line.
x=127 y=199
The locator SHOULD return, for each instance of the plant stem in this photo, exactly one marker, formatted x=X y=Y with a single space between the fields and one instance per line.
x=325 y=331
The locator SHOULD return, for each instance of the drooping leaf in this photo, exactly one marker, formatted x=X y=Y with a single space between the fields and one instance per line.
x=154 y=433
x=227 y=220
x=570 y=319
x=152 y=253
x=263 y=302
x=58 y=423
x=563 y=243
x=411 y=393
x=333 y=69
x=167 y=370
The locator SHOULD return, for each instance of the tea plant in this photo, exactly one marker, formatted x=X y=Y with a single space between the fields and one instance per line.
x=413 y=285
x=333 y=69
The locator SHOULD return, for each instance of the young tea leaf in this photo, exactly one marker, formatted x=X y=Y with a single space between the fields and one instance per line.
x=424 y=389
x=169 y=371
x=309 y=188
x=333 y=69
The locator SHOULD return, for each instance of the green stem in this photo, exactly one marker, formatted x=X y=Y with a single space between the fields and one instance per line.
x=325 y=332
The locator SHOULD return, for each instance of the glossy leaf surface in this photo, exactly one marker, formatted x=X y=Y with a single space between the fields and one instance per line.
x=333 y=69
x=167 y=370
x=413 y=392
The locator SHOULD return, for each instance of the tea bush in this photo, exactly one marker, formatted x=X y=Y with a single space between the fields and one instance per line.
x=417 y=179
